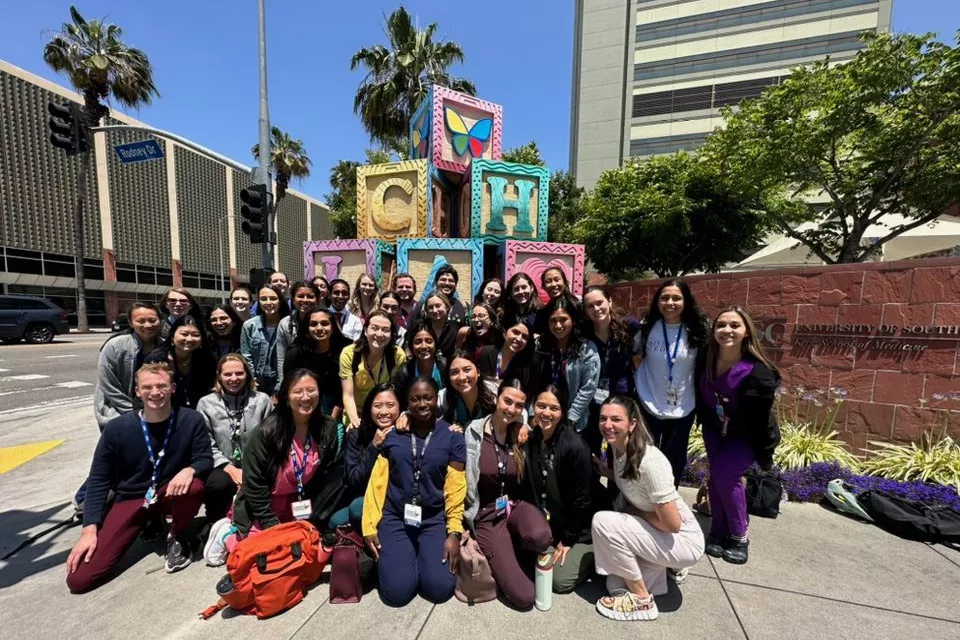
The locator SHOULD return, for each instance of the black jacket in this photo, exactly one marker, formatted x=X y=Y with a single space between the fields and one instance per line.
x=754 y=421
x=579 y=484
x=358 y=463
x=405 y=375
x=196 y=384
x=522 y=368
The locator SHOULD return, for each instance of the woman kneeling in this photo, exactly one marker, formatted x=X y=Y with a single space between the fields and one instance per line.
x=413 y=507
x=651 y=528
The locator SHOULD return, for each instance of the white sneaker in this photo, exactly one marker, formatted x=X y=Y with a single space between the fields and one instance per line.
x=679 y=575
x=626 y=606
x=215 y=551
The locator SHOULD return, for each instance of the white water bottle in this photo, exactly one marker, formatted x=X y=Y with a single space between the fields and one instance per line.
x=544 y=581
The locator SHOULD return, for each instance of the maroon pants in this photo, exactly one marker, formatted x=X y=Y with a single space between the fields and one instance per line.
x=504 y=541
x=122 y=525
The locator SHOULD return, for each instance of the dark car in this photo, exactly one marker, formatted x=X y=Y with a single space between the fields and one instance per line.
x=30 y=318
x=121 y=323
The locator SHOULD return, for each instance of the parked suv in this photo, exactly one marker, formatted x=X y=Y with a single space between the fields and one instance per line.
x=30 y=318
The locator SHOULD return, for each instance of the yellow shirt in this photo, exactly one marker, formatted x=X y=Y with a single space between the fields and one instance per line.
x=365 y=380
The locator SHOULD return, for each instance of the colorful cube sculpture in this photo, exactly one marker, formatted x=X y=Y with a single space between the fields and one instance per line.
x=507 y=200
x=348 y=259
x=441 y=205
x=533 y=258
x=392 y=200
x=452 y=129
x=421 y=257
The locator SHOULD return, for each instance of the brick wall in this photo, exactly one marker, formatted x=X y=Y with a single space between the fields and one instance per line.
x=892 y=392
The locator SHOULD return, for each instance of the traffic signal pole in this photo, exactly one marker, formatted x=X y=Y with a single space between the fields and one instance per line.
x=270 y=239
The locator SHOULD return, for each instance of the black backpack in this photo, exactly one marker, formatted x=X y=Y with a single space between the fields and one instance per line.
x=912 y=519
x=764 y=491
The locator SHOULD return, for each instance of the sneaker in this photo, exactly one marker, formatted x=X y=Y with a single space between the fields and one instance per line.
x=178 y=556
x=215 y=551
x=715 y=546
x=736 y=552
x=626 y=606
x=679 y=575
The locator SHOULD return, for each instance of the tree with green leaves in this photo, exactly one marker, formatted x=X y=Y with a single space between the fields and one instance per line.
x=342 y=200
x=878 y=135
x=289 y=159
x=670 y=215
x=399 y=75
x=100 y=66
x=566 y=198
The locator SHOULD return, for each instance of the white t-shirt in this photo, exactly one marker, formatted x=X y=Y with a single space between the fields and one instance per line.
x=652 y=374
x=655 y=484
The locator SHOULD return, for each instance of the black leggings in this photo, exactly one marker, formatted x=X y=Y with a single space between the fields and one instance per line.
x=218 y=492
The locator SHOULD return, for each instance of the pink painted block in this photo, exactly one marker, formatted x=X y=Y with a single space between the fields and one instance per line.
x=434 y=133
x=533 y=258
x=346 y=259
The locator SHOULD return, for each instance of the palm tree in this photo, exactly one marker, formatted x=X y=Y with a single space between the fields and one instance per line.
x=100 y=66
x=399 y=76
x=288 y=158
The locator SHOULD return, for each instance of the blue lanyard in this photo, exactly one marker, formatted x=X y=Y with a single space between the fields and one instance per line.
x=556 y=364
x=418 y=463
x=155 y=460
x=499 y=360
x=300 y=466
x=671 y=359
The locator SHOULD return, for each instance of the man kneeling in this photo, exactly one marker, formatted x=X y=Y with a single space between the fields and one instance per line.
x=154 y=461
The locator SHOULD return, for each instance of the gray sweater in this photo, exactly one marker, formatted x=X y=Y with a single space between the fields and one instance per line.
x=473 y=435
x=216 y=410
x=116 y=369
x=286 y=334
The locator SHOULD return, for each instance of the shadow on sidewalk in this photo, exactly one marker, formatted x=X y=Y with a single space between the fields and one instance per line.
x=23 y=553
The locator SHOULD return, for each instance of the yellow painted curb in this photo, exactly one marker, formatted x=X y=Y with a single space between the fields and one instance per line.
x=13 y=457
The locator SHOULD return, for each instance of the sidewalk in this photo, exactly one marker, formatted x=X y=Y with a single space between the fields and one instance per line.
x=812 y=574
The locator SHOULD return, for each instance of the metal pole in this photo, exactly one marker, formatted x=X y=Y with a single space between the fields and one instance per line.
x=266 y=249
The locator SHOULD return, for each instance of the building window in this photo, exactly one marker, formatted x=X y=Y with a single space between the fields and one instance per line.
x=696 y=98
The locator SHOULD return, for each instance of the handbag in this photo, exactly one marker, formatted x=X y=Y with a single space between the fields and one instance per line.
x=920 y=520
x=475 y=581
x=764 y=491
x=352 y=570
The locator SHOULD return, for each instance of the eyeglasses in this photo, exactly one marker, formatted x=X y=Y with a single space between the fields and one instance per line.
x=178 y=303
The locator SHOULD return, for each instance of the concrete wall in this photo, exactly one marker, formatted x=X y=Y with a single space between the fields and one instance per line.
x=824 y=328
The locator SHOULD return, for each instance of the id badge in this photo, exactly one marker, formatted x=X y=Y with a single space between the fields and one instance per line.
x=302 y=509
x=412 y=514
x=673 y=398
x=150 y=498
x=600 y=395
x=502 y=502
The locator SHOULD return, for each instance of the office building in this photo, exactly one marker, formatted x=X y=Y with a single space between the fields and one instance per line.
x=650 y=76
x=173 y=221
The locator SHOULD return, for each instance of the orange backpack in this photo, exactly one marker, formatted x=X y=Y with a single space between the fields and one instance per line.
x=272 y=570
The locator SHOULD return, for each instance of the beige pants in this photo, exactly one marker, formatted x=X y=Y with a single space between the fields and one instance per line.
x=630 y=548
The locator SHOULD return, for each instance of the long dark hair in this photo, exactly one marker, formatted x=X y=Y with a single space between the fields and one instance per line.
x=307 y=342
x=362 y=347
x=563 y=276
x=322 y=300
x=234 y=318
x=513 y=428
x=619 y=330
x=486 y=401
x=495 y=333
x=560 y=395
x=511 y=309
x=278 y=429
x=301 y=284
x=129 y=330
x=367 y=425
x=638 y=441
x=503 y=293
x=192 y=321
x=691 y=317
x=568 y=304
x=283 y=309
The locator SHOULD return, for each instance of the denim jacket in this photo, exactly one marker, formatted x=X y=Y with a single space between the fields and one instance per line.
x=261 y=353
x=582 y=377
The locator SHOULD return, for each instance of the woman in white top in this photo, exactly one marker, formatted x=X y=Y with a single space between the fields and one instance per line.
x=651 y=528
x=670 y=346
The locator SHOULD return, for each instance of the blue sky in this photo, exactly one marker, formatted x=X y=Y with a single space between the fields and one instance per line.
x=204 y=54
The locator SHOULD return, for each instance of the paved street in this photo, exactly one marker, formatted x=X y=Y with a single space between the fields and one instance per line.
x=812 y=573
x=40 y=374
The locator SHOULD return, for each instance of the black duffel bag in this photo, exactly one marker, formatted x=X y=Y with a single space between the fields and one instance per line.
x=912 y=519
x=764 y=491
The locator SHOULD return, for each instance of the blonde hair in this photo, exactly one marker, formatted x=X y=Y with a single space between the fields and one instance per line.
x=751 y=342
x=155 y=367
x=235 y=357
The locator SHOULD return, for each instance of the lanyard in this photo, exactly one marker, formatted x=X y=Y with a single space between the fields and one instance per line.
x=671 y=359
x=499 y=361
x=722 y=412
x=300 y=466
x=236 y=426
x=557 y=366
x=547 y=465
x=376 y=379
x=418 y=463
x=155 y=460
x=501 y=461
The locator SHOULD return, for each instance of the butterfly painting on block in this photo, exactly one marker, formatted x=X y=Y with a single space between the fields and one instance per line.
x=421 y=138
x=468 y=140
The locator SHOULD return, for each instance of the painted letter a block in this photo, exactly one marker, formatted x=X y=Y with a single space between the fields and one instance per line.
x=508 y=200
x=392 y=200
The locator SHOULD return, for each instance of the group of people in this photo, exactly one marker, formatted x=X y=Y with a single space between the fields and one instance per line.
x=552 y=425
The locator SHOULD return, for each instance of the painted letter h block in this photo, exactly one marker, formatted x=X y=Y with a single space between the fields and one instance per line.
x=507 y=201
x=452 y=129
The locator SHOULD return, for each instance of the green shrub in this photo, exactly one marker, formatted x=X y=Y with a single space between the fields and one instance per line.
x=804 y=444
x=934 y=459
x=695 y=447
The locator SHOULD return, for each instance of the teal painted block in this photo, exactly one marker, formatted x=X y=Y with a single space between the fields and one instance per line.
x=508 y=201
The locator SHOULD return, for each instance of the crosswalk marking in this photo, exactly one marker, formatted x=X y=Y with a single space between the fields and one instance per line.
x=73 y=384
x=68 y=355
x=13 y=457
x=4 y=370
x=27 y=376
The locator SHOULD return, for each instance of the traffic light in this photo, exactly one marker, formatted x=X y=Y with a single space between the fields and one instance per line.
x=255 y=210
x=68 y=127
